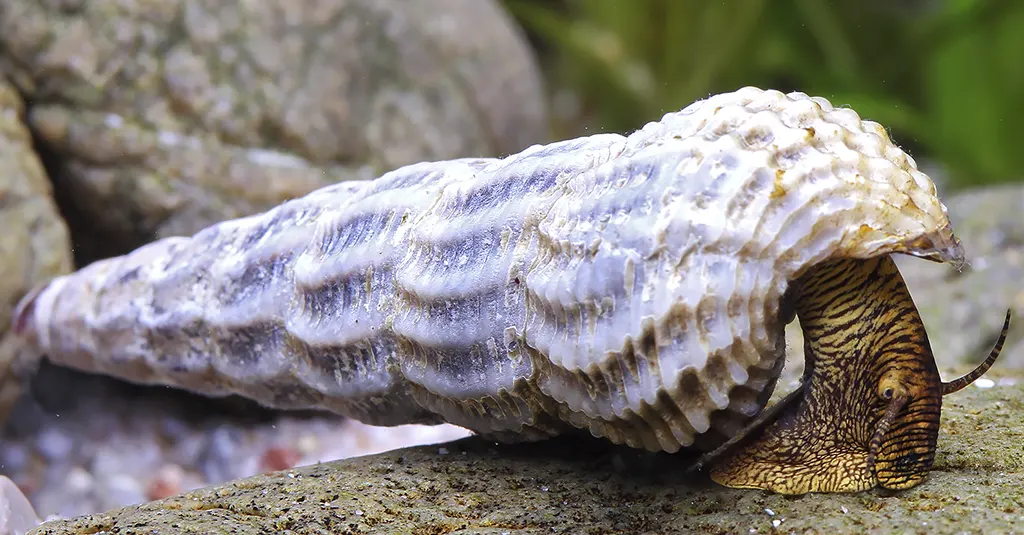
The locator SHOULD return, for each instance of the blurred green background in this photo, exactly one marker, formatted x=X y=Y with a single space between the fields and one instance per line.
x=946 y=77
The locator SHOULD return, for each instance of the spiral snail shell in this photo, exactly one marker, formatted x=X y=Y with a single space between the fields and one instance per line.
x=637 y=287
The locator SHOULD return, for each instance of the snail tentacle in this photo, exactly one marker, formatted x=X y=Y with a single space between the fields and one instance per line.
x=895 y=406
x=959 y=383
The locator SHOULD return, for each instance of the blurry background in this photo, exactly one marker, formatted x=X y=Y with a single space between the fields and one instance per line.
x=945 y=77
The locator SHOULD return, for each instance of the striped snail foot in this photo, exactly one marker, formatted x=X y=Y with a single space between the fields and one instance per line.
x=791 y=455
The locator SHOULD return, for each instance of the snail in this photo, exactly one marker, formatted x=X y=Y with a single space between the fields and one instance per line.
x=868 y=408
x=634 y=286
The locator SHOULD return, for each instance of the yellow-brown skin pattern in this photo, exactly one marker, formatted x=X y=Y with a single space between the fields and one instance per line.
x=868 y=410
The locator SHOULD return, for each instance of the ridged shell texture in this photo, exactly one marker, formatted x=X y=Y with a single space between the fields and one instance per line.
x=632 y=286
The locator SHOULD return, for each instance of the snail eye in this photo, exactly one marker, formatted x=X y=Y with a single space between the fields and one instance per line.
x=887 y=394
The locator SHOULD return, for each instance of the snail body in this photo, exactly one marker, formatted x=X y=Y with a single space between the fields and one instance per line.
x=635 y=286
x=867 y=412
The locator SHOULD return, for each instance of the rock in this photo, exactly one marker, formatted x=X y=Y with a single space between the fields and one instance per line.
x=160 y=118
x=16 y=513
x=34 y=244
x=578 y=485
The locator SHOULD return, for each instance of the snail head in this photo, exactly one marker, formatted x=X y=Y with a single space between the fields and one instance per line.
x=908 y=407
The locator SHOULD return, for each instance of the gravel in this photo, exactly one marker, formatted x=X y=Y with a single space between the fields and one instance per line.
x=114 y=444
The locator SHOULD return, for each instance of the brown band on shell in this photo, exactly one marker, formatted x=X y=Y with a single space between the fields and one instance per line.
x=23 y=313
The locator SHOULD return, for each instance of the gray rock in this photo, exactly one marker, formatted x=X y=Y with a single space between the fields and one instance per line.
x=160 y=118
x=34 y=244
x=16 y=514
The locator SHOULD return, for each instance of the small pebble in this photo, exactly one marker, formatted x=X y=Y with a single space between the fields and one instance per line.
x=307 y=444
x=166 y=483
x=78 y=480
x=112 y=120
x=221 y=447
x=123 y=489
x=54 y=444
x=189 y=449
x=111 y=458
x=279 y=458
x=984 y=383
x=174 y=428
x=14 y=457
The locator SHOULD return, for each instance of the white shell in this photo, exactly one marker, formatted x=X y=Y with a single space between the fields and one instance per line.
x=627 y=285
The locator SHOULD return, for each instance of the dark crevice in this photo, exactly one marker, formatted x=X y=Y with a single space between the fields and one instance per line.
x=90 y=239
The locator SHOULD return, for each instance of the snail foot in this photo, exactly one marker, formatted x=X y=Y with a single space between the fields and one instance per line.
x=789 y=457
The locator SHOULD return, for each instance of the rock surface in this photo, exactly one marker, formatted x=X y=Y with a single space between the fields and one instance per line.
x=578 y=485
x=34 y=242
x=160 y=118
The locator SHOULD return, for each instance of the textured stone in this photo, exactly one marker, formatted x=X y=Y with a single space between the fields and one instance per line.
x=160 y=118
x=34 y=242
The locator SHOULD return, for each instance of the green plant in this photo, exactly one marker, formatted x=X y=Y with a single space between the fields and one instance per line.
x=947 y=77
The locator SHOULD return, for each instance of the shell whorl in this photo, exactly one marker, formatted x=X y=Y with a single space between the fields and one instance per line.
x=632 y=285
